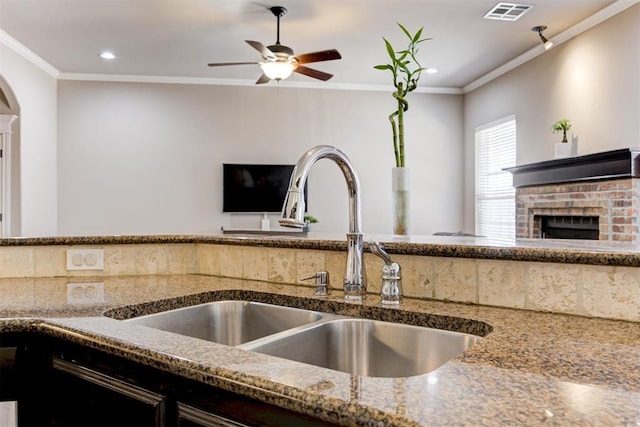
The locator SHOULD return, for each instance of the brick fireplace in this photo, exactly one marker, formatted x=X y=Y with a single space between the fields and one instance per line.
x=596 y=196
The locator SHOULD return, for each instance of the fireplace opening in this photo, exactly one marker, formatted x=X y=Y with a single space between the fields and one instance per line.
x=569 y=227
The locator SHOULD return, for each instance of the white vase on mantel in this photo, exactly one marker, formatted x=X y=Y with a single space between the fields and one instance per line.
x=566 y=148
x=563 y=150
x=400 y=200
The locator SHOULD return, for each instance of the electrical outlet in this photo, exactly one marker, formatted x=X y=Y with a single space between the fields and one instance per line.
x=85 y=259
x=85 y=293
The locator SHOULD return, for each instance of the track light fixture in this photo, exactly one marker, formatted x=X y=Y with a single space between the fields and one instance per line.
x=545 y=42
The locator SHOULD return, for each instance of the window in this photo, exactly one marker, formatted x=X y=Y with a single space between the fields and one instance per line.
x=495 y=195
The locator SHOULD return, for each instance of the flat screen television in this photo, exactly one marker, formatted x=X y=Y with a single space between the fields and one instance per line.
x=256 y=188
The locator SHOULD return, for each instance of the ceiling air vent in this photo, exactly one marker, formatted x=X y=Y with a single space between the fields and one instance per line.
x=507 y=11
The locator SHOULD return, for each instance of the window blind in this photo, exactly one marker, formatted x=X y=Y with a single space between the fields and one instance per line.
x=495 y=195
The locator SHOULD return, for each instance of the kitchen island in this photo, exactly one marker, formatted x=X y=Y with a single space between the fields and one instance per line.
x=591 y=252
x=529 y=369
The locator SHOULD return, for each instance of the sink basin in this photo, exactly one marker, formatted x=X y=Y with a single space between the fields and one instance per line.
x=369 y=347
x=229 y=322
x=364 y=347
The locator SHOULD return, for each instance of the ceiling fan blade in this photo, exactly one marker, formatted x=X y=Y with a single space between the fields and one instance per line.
x=323 y=55
x=316 y=74
x=266 y=53
x=263 y=79
x=221 y=64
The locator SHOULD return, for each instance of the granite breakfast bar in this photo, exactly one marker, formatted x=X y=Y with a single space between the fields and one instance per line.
x=530 y=368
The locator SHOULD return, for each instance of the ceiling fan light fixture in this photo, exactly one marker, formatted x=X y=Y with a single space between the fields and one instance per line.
x=277 y=70
x=279 y=61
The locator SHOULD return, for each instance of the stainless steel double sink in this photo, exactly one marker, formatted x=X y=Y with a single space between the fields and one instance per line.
x=357 y=346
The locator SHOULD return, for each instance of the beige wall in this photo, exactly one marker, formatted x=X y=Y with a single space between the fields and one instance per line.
x=146 y=158
x=593 y=80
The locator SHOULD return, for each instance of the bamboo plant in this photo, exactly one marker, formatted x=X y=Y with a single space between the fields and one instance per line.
x=406 y=71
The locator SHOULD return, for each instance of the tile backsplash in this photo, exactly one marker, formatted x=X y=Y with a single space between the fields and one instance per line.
x=611 y=292
x=590 y=290
x=119 y=260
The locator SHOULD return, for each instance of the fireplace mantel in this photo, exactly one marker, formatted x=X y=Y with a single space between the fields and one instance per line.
x=616 y=164
x=596 y=196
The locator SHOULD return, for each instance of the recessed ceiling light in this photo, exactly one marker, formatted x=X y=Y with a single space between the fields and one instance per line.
x=507 y=11
x=430 y=70
x=107 y=55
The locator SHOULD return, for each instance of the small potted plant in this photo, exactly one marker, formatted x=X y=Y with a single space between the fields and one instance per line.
x=563 y=148
x=563 y=126
x=308 y=220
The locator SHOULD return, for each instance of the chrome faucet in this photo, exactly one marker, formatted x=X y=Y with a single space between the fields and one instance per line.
x=355 y=287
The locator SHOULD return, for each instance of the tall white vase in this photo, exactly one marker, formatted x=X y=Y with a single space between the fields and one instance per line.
x=400 y=200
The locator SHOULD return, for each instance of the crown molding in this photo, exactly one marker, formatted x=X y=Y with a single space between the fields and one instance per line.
x=287 y=84
x=27 y=54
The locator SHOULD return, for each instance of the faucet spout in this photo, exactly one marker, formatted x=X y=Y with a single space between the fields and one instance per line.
x=294 y=207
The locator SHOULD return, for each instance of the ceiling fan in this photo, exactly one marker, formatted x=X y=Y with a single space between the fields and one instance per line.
x=279 y=61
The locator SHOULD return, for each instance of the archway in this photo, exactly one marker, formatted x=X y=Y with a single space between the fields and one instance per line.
x=9 y=162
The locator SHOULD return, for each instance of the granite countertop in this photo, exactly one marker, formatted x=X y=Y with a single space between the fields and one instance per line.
x=593 y=252
x=529 y=369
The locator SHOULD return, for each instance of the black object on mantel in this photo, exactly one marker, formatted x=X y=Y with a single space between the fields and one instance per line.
x=616 y=164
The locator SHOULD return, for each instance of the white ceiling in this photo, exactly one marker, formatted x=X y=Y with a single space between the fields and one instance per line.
x=177 y=38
